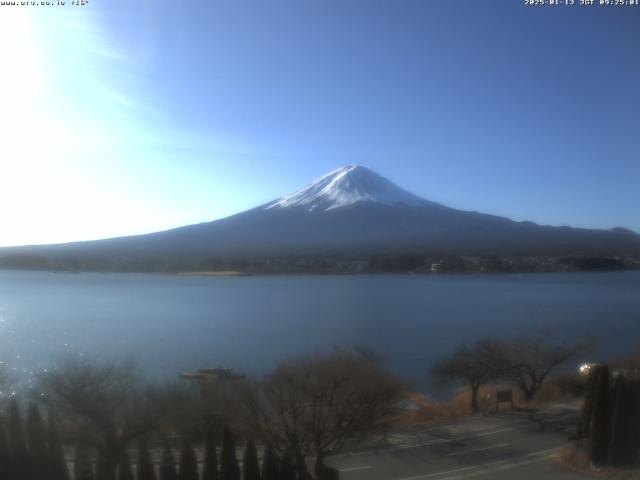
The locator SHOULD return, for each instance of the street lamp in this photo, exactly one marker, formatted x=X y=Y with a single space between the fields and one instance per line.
x=585 y=368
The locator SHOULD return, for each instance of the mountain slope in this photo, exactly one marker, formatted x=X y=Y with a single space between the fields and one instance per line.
x=347 y=186
x=350 y=211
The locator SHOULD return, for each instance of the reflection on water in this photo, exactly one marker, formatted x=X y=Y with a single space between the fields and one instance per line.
x=172 y=324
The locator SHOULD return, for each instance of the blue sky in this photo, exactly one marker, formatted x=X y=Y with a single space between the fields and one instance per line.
x=128 y=117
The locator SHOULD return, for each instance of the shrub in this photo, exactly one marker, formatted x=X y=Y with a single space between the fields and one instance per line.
x=251 y=468
x=145 y=469
x=599 y=429
x=82 y=468
x=56 y=461
x=210 y=468
x=229 y=468
x=168 y=465
x=124 y=468
x=270 y=465
x=188 y=462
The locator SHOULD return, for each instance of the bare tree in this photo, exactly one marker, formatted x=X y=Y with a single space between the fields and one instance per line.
x=473 y=366
x=531 y=358
x=317 y=405
x=99 y=401
x=178 y=407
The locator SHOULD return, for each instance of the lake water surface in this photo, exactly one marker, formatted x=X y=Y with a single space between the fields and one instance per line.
x=171 y=324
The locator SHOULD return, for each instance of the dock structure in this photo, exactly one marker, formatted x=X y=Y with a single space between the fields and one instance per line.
x=214 y=381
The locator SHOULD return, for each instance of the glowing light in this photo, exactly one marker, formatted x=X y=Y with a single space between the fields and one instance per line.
x=585 y=368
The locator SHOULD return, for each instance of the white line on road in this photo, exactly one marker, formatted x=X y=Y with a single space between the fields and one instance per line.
x=425 y=444
x=500 y=445
x=353 y=469
x=500 y=465
x=450 y=440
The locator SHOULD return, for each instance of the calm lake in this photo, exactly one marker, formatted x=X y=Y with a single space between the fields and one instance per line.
x=171 y=324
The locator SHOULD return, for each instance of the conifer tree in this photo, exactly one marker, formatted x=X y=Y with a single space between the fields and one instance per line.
x=82 y=468
x=5 y=456
x=587 y=406
x=287 y=470
x=168 y=465
x=37 y=443
x=621 y=445
x=101 y=467
x=634 y=422
x=250 y=466
x=125 y=472
x=599 y=430
x=56 y=460
x=229 y=468
x=210 y=468
x=270 y=467
x=18 y=447
x=145 y=469
x=188 y=462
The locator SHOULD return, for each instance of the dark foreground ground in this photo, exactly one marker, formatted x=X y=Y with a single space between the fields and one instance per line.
x=511 y=445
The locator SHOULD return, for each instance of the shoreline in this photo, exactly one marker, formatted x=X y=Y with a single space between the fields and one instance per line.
x=209 y=273
x=356 y=264
x=237 y=273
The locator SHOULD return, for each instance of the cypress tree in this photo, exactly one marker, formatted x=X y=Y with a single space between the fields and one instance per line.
x=168 y=465
x=587 y=406
x=82 y=468
x=270 y=468
x=188 y=462
x=125 y=472
x=599 y=429
x=5 y=456
x=621 y=447
x=145 y=469
x=229 y=468
x=210 y=468
x=634 y=421
x=287 y=470
x=250 y=466
x=37 y=443
x=18 y=447
x=56 y=461
x=101 y=467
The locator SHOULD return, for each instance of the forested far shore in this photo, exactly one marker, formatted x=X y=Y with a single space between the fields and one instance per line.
x=326 y=264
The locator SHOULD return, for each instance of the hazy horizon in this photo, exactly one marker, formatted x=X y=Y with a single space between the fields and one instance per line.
x=121 y=120
x=290 y=194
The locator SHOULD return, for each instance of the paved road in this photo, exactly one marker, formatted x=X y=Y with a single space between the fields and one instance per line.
x=510 y=445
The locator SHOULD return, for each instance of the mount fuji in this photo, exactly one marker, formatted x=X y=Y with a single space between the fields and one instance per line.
x=350 y=211
x=347 y=186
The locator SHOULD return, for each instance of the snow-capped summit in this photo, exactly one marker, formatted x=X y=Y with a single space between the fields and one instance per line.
x=351 y=211
x=346 y=186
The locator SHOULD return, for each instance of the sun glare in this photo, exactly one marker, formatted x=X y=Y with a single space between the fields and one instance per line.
x=34 y=144
x=50 y=137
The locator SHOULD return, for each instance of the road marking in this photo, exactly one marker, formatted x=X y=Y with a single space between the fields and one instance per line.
x=480 y=468
x=425 y=444
x=500 y=445
x=451 y=440
x=353 y=469
x=500 y=467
